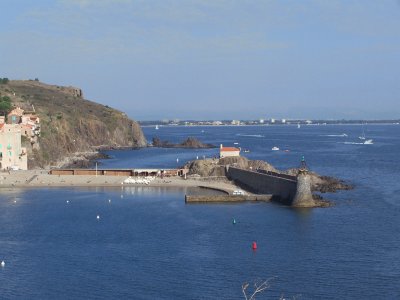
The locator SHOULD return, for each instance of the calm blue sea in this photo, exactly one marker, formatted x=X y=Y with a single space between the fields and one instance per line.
x=148 y=244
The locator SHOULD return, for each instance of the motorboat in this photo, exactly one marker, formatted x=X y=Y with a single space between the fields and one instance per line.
x=368 y=142
x=275 y=149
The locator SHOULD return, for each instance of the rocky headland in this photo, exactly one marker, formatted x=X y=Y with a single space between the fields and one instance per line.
x=72 y=129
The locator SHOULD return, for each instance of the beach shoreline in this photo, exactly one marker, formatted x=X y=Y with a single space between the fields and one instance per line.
x=42 y=179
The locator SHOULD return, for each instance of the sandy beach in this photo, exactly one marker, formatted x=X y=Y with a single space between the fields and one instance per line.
x=41 y=178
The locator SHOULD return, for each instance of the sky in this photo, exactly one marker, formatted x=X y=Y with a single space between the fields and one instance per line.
x=212 y=59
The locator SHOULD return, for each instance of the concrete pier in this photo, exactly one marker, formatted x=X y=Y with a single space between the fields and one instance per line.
x=226 y=198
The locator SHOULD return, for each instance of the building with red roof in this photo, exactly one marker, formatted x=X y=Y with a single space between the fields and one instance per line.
x=228 y=151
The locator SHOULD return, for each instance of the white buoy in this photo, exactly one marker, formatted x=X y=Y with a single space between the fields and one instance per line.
x=67 y=201
x=109 y=200
x=177 y=160
x=3 y=263
x=98 y=217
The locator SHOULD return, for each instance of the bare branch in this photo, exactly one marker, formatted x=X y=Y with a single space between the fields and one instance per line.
x=259 y=286
x=244 y=287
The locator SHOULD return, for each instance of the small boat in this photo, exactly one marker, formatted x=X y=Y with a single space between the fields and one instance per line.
x=236 y=143
x=298 y=125
x=156 y=127
x=246 y=150
x=275 y=149
x=368 y=142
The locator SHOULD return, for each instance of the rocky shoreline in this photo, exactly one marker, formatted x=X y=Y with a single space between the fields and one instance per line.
x=84 y=160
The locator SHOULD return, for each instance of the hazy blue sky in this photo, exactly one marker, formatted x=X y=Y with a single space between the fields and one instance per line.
x=206 y=59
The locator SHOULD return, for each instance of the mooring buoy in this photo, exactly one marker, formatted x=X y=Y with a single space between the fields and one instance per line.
x=254 y=246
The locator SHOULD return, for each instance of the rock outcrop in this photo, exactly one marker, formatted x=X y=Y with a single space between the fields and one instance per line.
x=190 y=143
x=216 y=167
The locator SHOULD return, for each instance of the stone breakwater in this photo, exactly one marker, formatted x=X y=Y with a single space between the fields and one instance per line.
x=285 y=189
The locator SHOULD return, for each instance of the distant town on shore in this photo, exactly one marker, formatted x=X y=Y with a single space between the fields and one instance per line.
x=265 y=122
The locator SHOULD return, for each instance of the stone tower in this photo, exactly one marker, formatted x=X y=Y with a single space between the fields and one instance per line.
x=303 y=197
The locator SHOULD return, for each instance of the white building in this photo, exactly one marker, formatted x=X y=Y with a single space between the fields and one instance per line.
x=12 y=155
x=235 y=122
x=228 y=151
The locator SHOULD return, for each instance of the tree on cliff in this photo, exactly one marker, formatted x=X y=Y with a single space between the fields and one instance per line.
x=5 y=105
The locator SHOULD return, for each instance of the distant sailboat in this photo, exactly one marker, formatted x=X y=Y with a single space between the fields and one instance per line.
x=362 y=136
x=298 y=125
x=156 y=127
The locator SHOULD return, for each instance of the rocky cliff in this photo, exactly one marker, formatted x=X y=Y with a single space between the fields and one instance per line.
x=71 y=127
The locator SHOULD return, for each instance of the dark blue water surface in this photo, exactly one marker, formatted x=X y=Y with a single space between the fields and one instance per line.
x=148 y=244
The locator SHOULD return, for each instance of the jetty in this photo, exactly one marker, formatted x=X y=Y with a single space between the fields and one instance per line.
x=257 y=185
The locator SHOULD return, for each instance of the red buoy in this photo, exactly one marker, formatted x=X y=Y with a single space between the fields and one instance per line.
x=254 y=246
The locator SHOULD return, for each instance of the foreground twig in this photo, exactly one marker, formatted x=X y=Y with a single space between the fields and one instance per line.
x=259 y=286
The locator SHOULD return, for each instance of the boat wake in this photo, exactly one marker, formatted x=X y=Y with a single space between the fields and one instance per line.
x=353 y=143
x=367 y=142
x=336 y=135
x=251 y=135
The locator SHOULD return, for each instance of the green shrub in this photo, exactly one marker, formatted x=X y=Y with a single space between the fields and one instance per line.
x=5 y=104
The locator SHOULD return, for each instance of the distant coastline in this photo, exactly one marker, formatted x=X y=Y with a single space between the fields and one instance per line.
x=147 y=124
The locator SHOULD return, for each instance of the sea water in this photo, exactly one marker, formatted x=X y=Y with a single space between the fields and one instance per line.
x=148 y=244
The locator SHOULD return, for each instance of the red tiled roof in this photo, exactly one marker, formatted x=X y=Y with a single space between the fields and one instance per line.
x=224 y=149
